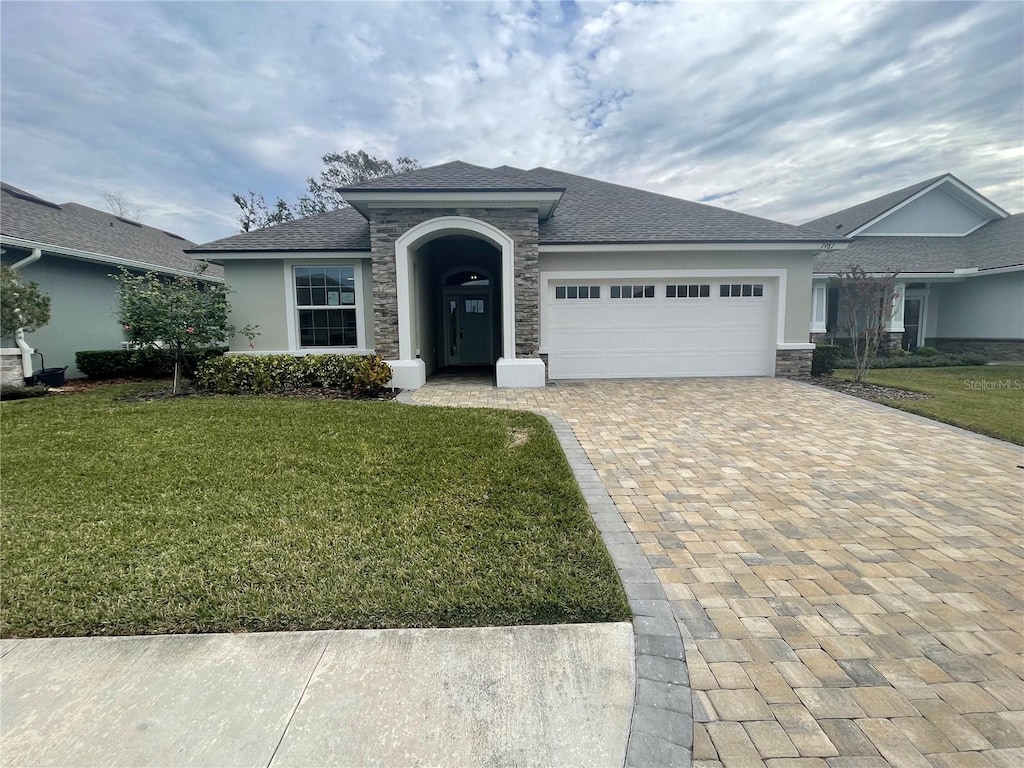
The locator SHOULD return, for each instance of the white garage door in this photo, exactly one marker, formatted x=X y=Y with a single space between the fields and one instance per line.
x=603 y=329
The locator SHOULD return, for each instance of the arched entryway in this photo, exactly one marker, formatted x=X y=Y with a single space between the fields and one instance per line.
x=454 y=248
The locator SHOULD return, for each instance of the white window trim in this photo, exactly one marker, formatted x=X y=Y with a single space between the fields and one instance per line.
x=924 y=294
x=292 y=312
x=819 y=307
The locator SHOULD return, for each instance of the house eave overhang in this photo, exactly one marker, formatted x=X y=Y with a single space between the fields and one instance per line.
x=365 y=200
x=219 y=257
x=951 y=276
x=695 y=245
x=102 y=258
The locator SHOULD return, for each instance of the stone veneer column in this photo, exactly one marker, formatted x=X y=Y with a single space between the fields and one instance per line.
x=793 y=363
x=387 y=225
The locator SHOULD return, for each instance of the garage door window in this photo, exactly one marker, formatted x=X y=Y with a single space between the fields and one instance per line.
x=632 y=291
x=578 y=292
x=687 y=291
x=734 y=290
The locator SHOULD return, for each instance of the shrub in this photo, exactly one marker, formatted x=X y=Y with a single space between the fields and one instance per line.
x=937 y=360
x=371 y=376
x=11 y=392
x=927 y=351
x=824 y=359
x=136 y=363
x=362 y=376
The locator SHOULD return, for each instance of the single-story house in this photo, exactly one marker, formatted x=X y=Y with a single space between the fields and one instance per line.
x=71 y=251
x=958 y=260
x=540 y=273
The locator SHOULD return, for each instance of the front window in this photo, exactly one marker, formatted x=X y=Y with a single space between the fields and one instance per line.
x=325 y=298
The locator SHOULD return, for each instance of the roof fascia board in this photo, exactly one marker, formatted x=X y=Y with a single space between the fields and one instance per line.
x=953 y=276
x=103 y=258
x=947 y=179
x=545 y=201
x=693 y=246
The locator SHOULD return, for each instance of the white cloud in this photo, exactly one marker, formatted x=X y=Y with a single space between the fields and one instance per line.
x=782 y=110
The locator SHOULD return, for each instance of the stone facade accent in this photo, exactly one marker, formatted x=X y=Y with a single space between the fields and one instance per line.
x=387 y=225
x=793 y=363
x=994 y=349
x=11 y=372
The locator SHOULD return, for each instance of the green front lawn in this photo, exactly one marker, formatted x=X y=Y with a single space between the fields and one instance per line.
x=210 y=514
x=984 y=398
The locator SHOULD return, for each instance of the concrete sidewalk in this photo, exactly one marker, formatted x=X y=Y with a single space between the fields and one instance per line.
x=537 y=695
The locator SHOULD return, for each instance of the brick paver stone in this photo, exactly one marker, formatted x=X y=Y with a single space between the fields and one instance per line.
x=847 y=573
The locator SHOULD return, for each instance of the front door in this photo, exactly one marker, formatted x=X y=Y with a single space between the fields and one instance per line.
x=468 y=330
x=912 y=319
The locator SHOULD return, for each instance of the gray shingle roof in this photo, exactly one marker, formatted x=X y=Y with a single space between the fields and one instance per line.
x=844 y=222
x=593 y=211
x=590 y=212
x=999 y=243
x=341 y=230
x=456 y=176
x=80 y=228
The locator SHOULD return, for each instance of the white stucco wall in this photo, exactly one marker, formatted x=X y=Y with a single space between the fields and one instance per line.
x=984 y=307
x=797 y=266
x=936 y=213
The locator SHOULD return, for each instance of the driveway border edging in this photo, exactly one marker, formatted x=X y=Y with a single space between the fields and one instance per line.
x=661 y=727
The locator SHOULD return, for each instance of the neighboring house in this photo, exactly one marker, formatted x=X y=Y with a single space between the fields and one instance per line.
x=72 y=251
x=540 y=273
x=959 y=264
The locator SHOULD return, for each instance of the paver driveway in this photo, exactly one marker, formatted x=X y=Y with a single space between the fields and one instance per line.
x=848 y=580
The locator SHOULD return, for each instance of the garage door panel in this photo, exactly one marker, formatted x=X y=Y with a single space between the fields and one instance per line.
x=660 y=336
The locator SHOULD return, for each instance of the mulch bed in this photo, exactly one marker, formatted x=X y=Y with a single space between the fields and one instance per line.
x=865 y=391
x=162 y=391
x=303 y=393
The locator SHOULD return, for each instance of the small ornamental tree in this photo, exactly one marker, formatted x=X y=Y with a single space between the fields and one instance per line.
x=22 y=304
x=177 y=316
x=868 y=302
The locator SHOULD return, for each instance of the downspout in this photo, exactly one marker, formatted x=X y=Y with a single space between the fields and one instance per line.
x=19 y=335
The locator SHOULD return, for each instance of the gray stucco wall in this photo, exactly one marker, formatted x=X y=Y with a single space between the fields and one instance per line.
x=935 y=213
x=989 y=307
x=796 y=264
x=83 y=306
x=259 y=298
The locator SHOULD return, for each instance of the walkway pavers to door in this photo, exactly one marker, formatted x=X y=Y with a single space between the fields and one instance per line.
x=848 y=580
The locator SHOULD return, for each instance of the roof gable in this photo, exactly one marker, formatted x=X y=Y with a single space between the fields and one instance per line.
x=993 y=246
x=861 y=218
x=932 y=212
x=842 y=223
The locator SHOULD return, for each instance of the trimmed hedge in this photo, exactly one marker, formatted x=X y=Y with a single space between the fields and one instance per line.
x=137 y=363
x=937 y=360
x=824 y=359
x=359 y=375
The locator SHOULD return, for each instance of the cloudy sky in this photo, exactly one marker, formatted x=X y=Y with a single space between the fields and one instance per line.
x=787 y=110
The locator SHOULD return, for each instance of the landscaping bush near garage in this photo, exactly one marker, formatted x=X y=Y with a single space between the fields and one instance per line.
x=136 y=363
x=359 y=375
x=929 y=359
x=221 y=514
x=824 y=359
